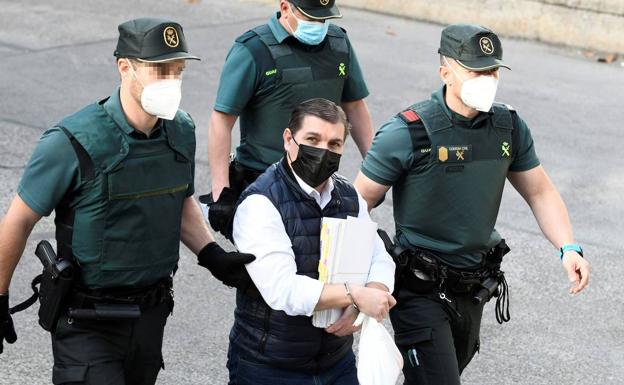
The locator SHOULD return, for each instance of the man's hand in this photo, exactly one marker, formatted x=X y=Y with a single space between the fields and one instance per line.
x=221 y=212
x=578 y=271
x=344 y=325
x=7 y=331
x=373 y=302
x=228 y=268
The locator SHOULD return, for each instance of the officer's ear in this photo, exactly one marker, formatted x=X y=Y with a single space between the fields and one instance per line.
x=446 y=74
x=123 y=66
x=287 y=136
x=284 y=7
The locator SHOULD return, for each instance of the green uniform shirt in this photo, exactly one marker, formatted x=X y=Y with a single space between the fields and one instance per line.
x=393 y=155
x=242 y=79
x=53 y=170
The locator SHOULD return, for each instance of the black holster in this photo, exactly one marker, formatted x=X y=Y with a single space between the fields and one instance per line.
x=241 y=177
x=57 y=280
x=402 y=258
x=492 y=274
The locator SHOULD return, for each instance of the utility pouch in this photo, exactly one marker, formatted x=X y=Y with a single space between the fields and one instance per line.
x=494 y=257
x=494 y=283
x=56 y=281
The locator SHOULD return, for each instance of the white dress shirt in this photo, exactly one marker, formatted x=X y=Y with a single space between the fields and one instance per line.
x=258 y=229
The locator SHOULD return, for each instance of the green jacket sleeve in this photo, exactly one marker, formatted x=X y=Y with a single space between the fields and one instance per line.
x=51 y=172
x=525 y=156
x=238 y=81
x=391 y=154
x=355 y=86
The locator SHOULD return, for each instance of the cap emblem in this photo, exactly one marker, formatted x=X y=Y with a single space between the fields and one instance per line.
x=171 y=37
x=486 y=45
x=324 y=2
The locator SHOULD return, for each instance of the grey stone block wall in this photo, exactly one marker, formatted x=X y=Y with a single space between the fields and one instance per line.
x=590 y=24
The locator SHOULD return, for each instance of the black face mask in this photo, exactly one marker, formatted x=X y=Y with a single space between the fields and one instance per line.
x=315 y=165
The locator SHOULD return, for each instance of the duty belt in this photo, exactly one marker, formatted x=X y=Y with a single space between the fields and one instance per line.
x=483 y=283
x=457 y=280
x=118 y=303
x=422 y=268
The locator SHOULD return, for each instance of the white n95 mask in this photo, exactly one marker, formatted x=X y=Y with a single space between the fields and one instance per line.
x=478 y=92
x=161 y=98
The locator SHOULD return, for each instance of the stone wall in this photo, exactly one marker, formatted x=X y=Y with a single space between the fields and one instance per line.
x=591 y=24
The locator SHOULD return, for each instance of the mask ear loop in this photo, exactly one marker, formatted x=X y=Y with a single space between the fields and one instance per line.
x=136 y=77
x=288 y=22
x=292 y=136
x=448 y=64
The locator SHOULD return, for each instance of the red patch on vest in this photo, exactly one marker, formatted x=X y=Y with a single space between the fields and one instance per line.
x=410 y=116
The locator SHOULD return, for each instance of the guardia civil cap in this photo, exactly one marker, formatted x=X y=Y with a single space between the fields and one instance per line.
x=152 y=40
x=318 y=9
x=474 y=47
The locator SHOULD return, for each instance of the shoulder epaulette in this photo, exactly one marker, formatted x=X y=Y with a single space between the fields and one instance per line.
x=409 y=116
x=505 y=105
x=336 y=30
x=246 y=36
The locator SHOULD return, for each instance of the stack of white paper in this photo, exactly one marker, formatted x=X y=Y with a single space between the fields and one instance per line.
x=346 y=254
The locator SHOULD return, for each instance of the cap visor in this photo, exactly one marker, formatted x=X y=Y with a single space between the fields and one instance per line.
x=321 y=13
x=169 y=57
x=482 y=64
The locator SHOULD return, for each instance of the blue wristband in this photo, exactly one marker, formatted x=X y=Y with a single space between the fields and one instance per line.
x=570 y=247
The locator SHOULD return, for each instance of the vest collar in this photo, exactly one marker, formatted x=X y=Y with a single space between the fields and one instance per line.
x=457 y=119
x=114 y=110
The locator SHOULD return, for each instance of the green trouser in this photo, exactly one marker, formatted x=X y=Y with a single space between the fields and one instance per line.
x=436 y=337
x=110 y=352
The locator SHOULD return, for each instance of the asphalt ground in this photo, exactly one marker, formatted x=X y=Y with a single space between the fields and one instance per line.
x=56 y=56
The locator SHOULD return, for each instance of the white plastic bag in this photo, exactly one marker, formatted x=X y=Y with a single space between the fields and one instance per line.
x=379 y=360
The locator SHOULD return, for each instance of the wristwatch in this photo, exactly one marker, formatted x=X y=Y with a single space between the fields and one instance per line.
x=570 y=247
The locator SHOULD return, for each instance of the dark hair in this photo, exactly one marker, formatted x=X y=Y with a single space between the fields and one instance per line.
x=321 y=108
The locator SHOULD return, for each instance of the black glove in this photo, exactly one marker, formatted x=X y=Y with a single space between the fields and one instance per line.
x=221 y=212
x=7 y=331
x=228 y=268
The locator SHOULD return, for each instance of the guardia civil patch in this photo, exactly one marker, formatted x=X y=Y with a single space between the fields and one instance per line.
x=342 y=69
x=506 y=150
x=487 y=47
x=455 y=153
x=171 y=38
